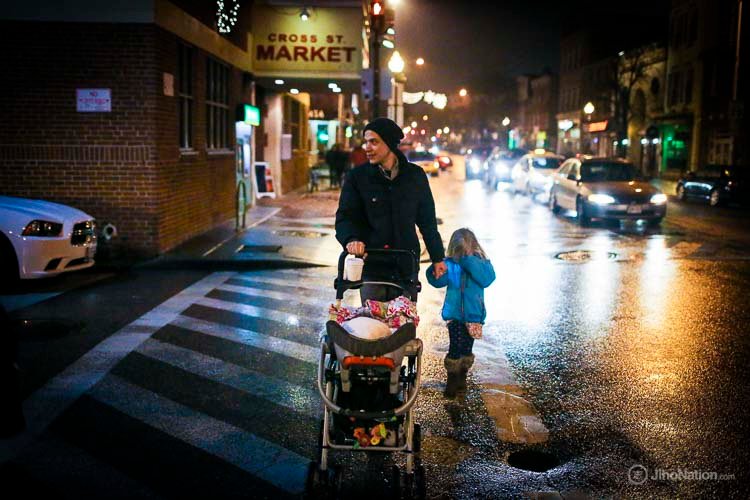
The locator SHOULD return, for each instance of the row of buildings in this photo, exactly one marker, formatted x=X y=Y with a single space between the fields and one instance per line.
x=167 y=118
x=670 y=103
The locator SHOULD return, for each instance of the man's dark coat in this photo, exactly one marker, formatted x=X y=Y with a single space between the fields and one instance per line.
x=382 y=212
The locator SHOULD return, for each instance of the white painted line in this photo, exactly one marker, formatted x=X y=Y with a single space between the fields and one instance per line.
x=49 y=401
x=272 y=294
x=258 y=312
x=272 y=211
x=299 y=399
x=289 y=348
x=272 y=463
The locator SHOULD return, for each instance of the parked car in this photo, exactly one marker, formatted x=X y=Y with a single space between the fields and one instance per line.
x=500 y=164
x=533 y=173
x=426 y=160
x=445 y=161
x=716 y=184
x=605 y=188
x=475 y=161
x=40 y=238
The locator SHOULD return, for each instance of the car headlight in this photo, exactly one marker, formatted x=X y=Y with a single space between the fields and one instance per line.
x=42 y=228
x=659 y=199
x=601 y=199
x=474 y=163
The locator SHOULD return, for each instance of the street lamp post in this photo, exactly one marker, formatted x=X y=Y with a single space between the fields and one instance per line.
x=588 y=110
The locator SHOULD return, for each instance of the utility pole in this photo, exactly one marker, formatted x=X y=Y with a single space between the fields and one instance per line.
x=377 y=13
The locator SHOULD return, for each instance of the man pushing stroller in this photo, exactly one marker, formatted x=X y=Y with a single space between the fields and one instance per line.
x=383 y=201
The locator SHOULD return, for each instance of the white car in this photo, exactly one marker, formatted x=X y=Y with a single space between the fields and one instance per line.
x=533 y=173
x=40 y=238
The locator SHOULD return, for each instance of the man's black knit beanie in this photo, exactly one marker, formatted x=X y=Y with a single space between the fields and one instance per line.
x=389 y=131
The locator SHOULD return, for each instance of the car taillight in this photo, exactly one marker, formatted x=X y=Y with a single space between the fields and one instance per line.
x=444 y=160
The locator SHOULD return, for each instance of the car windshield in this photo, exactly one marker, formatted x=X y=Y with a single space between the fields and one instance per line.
x=607 y=171
x=420 y=156
x=545 y=162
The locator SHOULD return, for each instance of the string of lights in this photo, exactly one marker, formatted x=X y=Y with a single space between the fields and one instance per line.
x=226 y=20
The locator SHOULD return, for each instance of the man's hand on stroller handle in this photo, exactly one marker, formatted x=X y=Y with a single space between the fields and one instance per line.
x=356 y=248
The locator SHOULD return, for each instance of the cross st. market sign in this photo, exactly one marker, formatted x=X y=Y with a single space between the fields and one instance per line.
x=328 y=44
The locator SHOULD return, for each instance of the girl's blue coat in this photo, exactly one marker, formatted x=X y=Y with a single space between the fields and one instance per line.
x=479 y=274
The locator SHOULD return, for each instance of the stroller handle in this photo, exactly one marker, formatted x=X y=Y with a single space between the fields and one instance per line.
x=341 y=285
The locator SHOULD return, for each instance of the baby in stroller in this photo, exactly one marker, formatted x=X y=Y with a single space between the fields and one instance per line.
x=369 y=373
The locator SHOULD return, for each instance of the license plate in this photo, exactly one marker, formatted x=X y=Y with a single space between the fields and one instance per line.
x=634 y=209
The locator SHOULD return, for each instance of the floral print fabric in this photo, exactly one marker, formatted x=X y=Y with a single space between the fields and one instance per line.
x=394 y=313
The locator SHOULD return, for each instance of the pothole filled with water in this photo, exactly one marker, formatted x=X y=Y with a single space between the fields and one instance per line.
x=533 y=460
x=585 y=255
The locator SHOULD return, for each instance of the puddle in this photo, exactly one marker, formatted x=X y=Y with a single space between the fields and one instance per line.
x=585 y=255
x=259 y=248
x=533 y=460
x=300 y=234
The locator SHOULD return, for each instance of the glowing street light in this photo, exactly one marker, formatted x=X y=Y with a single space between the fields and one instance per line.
x=589 y=108
x=420 y=61
x=425 y=117
x=414 y=124
x=463 y=92
x=446 y=130
x=396 y=63
x=506 y=121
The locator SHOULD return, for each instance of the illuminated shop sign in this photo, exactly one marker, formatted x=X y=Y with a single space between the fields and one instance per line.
x=330 y=41
x=598 y=126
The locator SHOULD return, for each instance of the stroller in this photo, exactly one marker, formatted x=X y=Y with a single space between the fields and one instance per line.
x=369 y=387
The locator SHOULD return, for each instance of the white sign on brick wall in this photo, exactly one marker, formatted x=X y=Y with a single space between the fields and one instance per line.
x=93 y=100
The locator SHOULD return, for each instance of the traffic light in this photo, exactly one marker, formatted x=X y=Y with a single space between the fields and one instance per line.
x=377 y=8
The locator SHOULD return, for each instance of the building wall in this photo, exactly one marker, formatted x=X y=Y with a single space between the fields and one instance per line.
x=125 y=166
x=195 y=190
x=102 y=163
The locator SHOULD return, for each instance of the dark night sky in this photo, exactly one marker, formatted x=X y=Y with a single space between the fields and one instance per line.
x=478 y=44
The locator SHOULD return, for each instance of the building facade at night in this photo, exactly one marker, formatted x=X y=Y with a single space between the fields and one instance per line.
x=704 y=120
x=536 y=126
x=152 y=115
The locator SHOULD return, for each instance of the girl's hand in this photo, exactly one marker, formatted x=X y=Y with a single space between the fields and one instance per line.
x=439 y=269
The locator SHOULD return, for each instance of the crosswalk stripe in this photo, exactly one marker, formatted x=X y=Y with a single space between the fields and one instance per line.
x=256 y=311
x=311 y=284
x=300 y=399
x=264 y=459
x=260 y=292
x=49 y=401
x=248 y=337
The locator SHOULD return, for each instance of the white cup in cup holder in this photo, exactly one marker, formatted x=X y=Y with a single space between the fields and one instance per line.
x=353 y=269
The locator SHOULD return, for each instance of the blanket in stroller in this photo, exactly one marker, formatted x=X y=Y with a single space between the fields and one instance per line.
x=394 y=313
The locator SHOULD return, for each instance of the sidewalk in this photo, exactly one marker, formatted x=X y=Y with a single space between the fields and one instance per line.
x=296 y=230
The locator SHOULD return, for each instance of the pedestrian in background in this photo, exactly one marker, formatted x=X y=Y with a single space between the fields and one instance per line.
x=469 y=273
x=358 y=156
x=333 y=160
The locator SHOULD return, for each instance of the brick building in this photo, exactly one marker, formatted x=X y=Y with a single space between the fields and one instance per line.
x=152 y=114
x=126 y=111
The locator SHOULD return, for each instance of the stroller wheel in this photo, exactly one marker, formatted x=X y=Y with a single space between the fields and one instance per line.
x=323 y=484
x=416 y=438
x=408 y=485
x=396 y=482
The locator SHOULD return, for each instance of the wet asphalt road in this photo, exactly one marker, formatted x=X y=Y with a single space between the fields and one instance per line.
x=635 y=358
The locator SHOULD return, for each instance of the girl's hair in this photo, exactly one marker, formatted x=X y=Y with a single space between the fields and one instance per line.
x=464 y=242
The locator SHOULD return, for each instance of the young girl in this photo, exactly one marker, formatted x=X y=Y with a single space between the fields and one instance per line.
x=469 y=273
